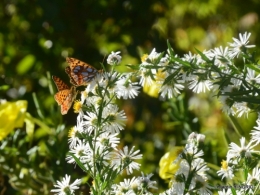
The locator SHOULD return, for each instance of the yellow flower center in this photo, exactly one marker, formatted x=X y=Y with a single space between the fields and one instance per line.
x=72 y=132
x=144 y=57
x=77 y=106
x=224 y=165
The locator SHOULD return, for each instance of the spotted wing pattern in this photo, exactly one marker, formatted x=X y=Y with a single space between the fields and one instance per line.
x=68 y=71
x=65 y=95
x=80 y=73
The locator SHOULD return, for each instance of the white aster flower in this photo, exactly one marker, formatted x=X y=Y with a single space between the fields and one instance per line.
x=224 y=192
x=200 y=167
x=122 y=189
x=225 y=171
x=240 y=45
x=78 y=151
x=256 y=133
x=83 y=96
x=204 y=185
x=114 y=121
x=242 y=109
x=196 y=138
x=146 y=183
x=242 y=151
x=164 y=61
x=178 y=187
x=221 y=57
x=114 y=58
x=198 y=86
x=197 y=58
x=251 y=78
x=146 y=78
x=189 y=57
x=107 y=139
x=147 y=74
x=76 y=131
x=73 y=136
x=236 y=82
x=171 y=90
x=97 y=81
x=126 y=89
x=184 y=169
x=110 y=81
x=90 y=122
x=193 y=150
x=125 y=159
x=134 y=183
x=153 y=56
x=170 y=191
x=100 y=156
x=127 y=186
x=254 y=179
x=64 y=186
x=93 y=101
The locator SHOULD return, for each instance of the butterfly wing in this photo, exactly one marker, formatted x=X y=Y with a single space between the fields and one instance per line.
x=65 y=95
x=68 y=71
x=61 y=96
x=59 y=83
x=68 y=98
x=81 y=72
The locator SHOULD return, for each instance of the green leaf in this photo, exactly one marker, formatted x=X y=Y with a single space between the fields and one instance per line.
x=78 y=162
x=253 y=67
x=29 y=126
x=203 y=56
x=133 y=67
x=170 y=49
x=170 y=77
x=25 y=64
x=184 y=63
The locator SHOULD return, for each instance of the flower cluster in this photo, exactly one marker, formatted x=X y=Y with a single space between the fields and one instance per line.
x=135 y=186
x=94 y=142
x=213 y=70
x=64 y=188
x=243 y=158
x=191 y=176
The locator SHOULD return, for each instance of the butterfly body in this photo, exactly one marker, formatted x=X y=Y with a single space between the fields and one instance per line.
x=80 y=73
x=65 y=95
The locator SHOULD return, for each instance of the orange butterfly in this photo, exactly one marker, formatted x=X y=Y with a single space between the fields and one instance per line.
x=65 y=95
x=80 y=73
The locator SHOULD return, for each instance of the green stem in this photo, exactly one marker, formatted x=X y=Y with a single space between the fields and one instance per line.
x=236 y=125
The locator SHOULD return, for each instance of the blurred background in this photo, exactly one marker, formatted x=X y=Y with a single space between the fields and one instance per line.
x=35 y=38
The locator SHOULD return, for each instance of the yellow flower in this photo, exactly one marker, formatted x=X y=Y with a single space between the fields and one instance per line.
x=72 y=132
x=12 y=115
x=144 y=57
x=153 y=89
x=224 y=165
x=77 y=106
x=167 y=167
x=160 y=75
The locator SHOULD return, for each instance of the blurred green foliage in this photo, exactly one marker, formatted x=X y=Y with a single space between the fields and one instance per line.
x=35 y=38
